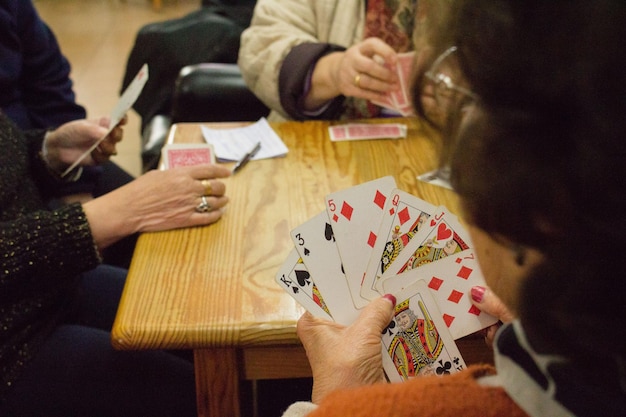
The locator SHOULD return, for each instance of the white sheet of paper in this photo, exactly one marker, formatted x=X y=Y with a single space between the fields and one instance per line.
x=232 y=144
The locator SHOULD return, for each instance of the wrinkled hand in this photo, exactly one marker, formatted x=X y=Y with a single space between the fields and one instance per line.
x=341 y=356
x=158 y=200
x=69 y=141
x=374 y=62
x=487 y=301
x=366 y=70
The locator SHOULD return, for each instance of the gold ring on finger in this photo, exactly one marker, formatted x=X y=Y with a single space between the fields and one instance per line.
x=357 y=80
x=208 y=189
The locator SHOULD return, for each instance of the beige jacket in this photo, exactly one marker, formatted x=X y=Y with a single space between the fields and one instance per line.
x=279 y=25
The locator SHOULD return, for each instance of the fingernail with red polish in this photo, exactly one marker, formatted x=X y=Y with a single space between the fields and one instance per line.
x=391 y=298
x=478 y=293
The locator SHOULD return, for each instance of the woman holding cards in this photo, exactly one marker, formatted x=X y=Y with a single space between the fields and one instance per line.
x=533 y=94
x=57 y=303
x=328 y=59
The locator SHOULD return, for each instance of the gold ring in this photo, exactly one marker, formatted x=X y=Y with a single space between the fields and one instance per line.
x=357 y=80
x=208 y=189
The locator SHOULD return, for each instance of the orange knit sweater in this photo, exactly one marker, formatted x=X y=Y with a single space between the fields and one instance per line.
x=457 y=395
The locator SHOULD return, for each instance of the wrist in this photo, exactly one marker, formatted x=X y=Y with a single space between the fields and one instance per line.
x=324 y=85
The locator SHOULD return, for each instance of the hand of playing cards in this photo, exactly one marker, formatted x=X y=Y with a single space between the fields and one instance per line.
x=400 y=100
x=375 y=239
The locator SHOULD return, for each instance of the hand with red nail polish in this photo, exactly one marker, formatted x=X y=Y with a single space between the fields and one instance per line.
x=487 y=301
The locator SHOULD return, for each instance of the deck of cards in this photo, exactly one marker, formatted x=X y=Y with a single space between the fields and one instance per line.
x=374 y=239
x=400 y=100
x=176 y=155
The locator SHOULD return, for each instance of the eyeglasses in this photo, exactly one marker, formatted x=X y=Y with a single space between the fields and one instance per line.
x=446 y=92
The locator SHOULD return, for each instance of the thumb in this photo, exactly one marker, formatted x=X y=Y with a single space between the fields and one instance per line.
x=376 y=316
x=487 y=301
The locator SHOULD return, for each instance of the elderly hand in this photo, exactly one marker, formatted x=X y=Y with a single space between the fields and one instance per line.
x=366 y=70
x=64 y=145
x=341 y=356
x=487 y=301
x=159 y=200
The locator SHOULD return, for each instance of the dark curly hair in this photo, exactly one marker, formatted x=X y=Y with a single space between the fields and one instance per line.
x=543 y=160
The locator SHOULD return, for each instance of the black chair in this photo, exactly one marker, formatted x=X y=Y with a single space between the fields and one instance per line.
x=211 y=34
x=214 y=92
x=208 y=92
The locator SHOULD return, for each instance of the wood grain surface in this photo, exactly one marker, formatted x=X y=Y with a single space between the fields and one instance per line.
x=212 y=288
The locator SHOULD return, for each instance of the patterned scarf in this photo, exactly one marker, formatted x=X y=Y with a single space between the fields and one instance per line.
x=549 y=385
x=392 y=21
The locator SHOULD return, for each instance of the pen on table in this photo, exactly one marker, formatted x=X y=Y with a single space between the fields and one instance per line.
x=247 y=157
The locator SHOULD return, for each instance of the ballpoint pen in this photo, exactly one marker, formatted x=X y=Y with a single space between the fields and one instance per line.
x=247 y=157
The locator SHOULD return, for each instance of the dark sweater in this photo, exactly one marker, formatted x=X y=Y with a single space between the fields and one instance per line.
x=35 y=88
x=41 y=251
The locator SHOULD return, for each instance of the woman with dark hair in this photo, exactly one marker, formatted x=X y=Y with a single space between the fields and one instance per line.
x=531 y=100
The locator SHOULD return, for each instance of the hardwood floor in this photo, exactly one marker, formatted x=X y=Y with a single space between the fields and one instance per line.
x=97 y=36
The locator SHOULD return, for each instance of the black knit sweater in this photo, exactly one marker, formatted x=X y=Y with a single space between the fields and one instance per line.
x=41 y=251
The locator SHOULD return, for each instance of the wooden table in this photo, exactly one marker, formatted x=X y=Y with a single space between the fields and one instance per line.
x=212 y=288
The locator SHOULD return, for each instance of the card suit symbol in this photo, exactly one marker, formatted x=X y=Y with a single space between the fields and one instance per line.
x=303 y=278
x=371 y=241
x=444 y=368
x=448 y=319
x=295 y=290
x=335 y=218
x=389 y=328
x=391 y=211
x=433 y=222
x=455 y=296
x=328 y=232
x=474 y=310
x=404 y=215
x=464 y=272
x=379 y=199
x=435 y=283
x=347 y=210
x=443 y=232
x=306 y=252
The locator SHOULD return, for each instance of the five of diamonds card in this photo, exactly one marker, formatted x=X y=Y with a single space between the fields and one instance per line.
x=374 y=239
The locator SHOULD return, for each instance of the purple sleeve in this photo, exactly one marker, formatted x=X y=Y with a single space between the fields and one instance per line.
x=294 y=79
